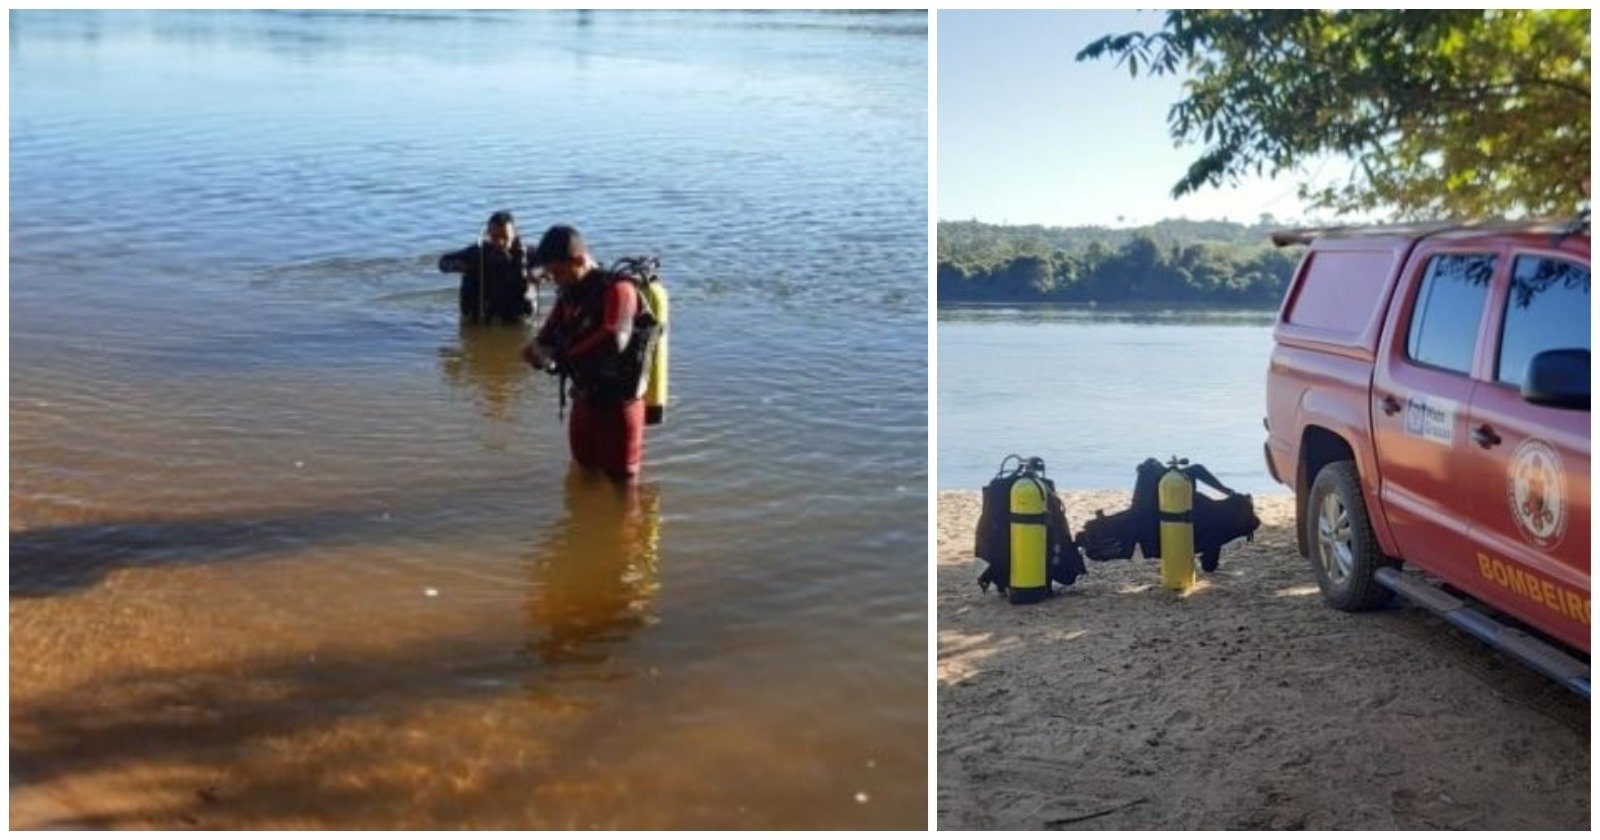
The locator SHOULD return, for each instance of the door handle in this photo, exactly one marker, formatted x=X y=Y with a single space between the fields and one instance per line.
x=1485 y=437
x=1390 y=405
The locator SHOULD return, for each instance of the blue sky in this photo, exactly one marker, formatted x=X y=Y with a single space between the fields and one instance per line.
x=1027 y=135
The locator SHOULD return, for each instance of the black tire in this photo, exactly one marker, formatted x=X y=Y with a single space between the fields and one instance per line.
x=1344 y=553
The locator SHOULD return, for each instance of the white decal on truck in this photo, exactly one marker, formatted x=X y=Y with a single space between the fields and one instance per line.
x=1536 y=487
x=1431 y=418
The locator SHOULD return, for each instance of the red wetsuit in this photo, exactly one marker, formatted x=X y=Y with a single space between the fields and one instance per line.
x=596 y=319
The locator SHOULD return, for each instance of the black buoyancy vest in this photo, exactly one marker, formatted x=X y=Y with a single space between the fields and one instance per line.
x=494 y=284
x=992 y=542
x=614 y=375
x=1217 y=522
x=1115 y=537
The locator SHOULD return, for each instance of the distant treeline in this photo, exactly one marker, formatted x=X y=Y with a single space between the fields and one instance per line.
x=1171 y=262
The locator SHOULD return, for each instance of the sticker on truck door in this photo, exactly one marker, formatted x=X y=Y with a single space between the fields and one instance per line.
x=1431 y=418
x=1536 y=486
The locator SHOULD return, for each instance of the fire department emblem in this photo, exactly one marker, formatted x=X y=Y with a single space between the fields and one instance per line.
x=1535 y=490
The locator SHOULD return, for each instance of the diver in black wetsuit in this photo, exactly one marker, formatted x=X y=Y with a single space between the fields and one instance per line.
x=495 y=275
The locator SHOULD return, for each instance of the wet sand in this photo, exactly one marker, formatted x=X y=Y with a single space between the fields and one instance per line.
x=301 y=690
x=1246 y=705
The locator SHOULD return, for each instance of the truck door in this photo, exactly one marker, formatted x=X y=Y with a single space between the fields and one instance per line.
x=1421 y=390
x=1530 y=463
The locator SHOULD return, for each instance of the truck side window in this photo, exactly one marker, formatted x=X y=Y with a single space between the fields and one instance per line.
x=1547 y=308
x=1444 y=323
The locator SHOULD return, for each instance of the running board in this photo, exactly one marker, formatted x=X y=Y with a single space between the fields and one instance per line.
x=1538 y=655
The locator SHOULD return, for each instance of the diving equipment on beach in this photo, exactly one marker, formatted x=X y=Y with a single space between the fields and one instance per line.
x=1116 y=536
x=1217 y=522
x=1023 y=534
x=1175 y=500
x=1029 y=542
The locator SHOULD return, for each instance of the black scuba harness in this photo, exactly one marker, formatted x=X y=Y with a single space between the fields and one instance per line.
x=626 y=366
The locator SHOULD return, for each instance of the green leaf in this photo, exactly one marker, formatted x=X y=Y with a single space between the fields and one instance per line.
x=1461 y=112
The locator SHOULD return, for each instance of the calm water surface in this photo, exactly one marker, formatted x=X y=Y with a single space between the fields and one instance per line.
x=1095 y=393
x=290 y=547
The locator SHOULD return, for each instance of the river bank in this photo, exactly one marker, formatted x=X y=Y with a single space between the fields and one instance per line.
x=1246 y=704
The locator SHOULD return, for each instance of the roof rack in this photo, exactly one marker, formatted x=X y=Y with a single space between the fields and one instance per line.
x=1554 y=227
x=1579 y=224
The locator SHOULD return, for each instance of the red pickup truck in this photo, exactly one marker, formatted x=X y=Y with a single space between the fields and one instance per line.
x=1428 y=401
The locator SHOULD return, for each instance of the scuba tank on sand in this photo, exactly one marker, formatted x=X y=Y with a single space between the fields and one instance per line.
x=1023 y=535
x=1144 y=525
x=1029 y=544
x=1175 y=495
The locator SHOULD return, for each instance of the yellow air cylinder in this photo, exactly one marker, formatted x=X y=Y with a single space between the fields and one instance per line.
x=655 y=391
x=1029 y=581
x=1175 y=501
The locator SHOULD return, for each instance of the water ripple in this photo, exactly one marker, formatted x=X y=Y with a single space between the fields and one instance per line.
x=238 y=382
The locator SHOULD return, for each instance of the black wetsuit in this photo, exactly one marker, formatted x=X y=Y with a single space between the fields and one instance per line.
x=505 y=296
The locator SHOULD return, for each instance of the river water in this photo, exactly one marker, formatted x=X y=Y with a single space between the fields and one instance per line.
x=1095 y=392
x=290 y=547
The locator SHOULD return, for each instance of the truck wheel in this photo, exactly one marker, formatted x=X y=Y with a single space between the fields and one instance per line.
x=1344 y=553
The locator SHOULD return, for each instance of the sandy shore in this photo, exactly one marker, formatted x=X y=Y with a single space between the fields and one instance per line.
x=1247 y=704
x=193 y=674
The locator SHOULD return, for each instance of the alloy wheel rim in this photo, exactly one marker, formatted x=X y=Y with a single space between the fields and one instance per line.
x=1334 y=543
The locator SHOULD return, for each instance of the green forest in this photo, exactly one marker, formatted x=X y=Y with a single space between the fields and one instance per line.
x=1171 y=263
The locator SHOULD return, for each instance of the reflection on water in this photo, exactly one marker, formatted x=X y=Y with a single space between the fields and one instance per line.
x=487 y=361
x=595 y=578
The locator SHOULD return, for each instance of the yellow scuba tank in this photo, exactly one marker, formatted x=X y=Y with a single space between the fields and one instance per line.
x=1030 y=580
x=655 y=391
x=1175 y=506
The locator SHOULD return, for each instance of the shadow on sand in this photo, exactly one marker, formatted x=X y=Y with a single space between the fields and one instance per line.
x=459 y=732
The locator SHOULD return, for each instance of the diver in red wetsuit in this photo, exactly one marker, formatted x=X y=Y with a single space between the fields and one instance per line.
x=590 y=334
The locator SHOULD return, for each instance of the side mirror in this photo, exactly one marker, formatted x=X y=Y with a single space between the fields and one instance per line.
x=1559 y=379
